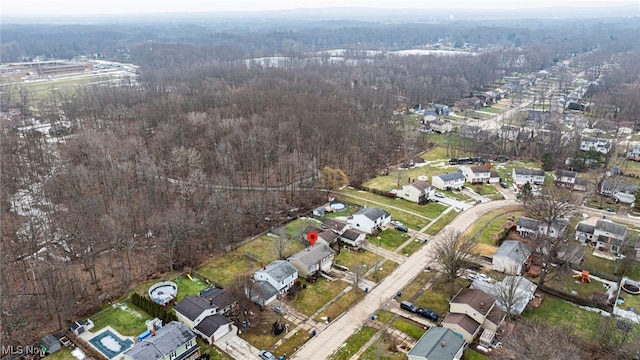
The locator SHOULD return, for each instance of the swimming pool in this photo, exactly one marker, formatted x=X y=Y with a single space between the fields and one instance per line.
x=110 y=344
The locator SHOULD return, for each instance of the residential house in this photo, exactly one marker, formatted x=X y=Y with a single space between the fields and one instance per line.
x=476 y=174
x=522 y=176
x=223 y=299
x=441 y=126
x=528 y=227
x=565 y=178
x=523 y=291
x=609 y=236
x=369 y=220
x=571 y=254
x=622 y=192
x=438 y=343
x=418 y=191
x=312 y=259
x=634 y=153
x=475 y=132
x=511 y=257
x=442 y=110
x=353 y=237
x=202 y=317
x=581 y=184
x=273 y=280
x=448 y=181
x=494 y=177
x=471 y=310
x=174 y=341
x=591 y=143
x=584 y=233
x=325 y=236
x=537 y=116
x=335 y=225
x=81 y=326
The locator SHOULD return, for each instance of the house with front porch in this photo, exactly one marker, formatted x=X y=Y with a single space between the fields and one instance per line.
x=476 y=174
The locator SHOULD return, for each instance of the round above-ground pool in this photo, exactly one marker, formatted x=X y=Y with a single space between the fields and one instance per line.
x=337 y=206
x=631 y=288
x=163 y=292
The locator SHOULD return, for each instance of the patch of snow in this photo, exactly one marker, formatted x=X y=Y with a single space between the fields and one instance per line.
x=78 y=354
x=111 y=343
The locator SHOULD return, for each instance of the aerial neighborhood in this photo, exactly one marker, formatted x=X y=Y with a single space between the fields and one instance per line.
x=328 y=203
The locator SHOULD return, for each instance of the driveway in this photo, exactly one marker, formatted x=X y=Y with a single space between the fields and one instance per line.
x=237 y=347
x=453 y=202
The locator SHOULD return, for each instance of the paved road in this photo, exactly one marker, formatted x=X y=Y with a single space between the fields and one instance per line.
x=323 y=345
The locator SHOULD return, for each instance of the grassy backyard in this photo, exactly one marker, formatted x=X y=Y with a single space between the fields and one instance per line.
x=353 y=259
x=583 y=323
x=292 y=344
x=409 y=327
x=222 y=269
x=354 y=343
x=188 y=287
x=316 y=295
x=436 y=297
x=261 y=336
x=127 y=319
x=389 y=239
x=489 y=228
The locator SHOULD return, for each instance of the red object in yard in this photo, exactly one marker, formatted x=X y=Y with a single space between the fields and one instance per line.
x=312 y=236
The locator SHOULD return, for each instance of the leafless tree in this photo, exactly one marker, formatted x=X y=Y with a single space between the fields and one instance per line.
x=281 y=241
x=508 y=294
x=453 y=251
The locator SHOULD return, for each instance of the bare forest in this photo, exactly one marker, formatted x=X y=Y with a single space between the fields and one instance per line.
x=202 y=151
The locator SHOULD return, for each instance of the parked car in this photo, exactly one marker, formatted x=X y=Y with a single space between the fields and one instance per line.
x=265 y=355
x=504 y=185
x=280 y=310
x=406 y=305
x=396 y=223
x=402 y=228
x=440 y=195
x=427 y=313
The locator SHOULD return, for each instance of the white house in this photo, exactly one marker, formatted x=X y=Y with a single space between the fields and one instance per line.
x=418 y=192
x=565 y=178
x=528 y=227
x=470 y=311
x=476 y=174
x=193 y=309
x=312 y=259
x=622 y=192
x=353 y=237
x=273 y=280
x=590 y=143
x=584 y=233
x=511 y=257
x=634 y=153
x=369 y=220
x=438 y=344
x=441 y=126
x=448 y=181
x=523 y=176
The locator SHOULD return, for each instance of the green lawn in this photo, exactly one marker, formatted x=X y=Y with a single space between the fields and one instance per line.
x=127 y=319
x=381 y=350
x=585 y=324
x=436 y=297
x=295 y=227
x=292 y=344
x=442 y=222
x=316 y=295
x=214 y=352
x=188 y=287
x=261 y=335
x=223 y=268
x=411 y=247
x=409 y=327
x=494 y=222
x=418 y=282
x=353 y=259
x=383 y=271
x=566 y=282
x=473 y=355
x=354 y=343
x=389 y=239
x=384 y=316
x=62 y=354
x=430 y=210
x=344 y=302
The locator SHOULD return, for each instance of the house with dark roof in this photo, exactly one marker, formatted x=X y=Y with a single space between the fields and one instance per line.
x=523 y=291
x=528 y=227
x=609 y=236
x=193 y=309
x=370 y=219
x=312 y=259
x=202 y=315
x=335 y=225
x=511 y=256
x=325 y=236
x=213 y=327
x=522 y=176
x=463 y=325
x=174 y=341
x=565 y=178
x=476 y=174
x=470 y=311
x=418 y=192
x=622 y=192
x=438 y=343
x=353 y=238
x=448 y=181
x=223 y=299
x=584 y=233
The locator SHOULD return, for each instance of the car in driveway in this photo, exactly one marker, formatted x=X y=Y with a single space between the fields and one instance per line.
x=396 y=223
x=439 y=195
x=409 y=306
x=402 y=228
x=265 y=355
x=427 y=313
x=504 y=185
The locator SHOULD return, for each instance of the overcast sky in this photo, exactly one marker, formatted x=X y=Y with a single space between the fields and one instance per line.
x=79 y=7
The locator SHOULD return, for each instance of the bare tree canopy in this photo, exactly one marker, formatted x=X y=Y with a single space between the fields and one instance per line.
x=453 y=255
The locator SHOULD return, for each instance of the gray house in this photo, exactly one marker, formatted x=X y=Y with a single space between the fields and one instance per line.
x=173 y=341
x=438 y=344
x=312 y=259
x=511 y=257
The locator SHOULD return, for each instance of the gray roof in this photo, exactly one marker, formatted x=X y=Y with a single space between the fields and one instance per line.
x=456 y=175
x=420 y=185
x=192 y=306
x=262 y=291
x=585 y=228
x=334 y=224
x=167 y=339
x=609 y=185
x=514 y=250
x=352 y=234
x=529 y=172
x=528 y=223
x=479 y=169
x=438 y=343
x=373 y=213
x=212 y=323
x=220 y=297
x=280 y=270
x=565 y=173
x=313 y=254
x=611 y=227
